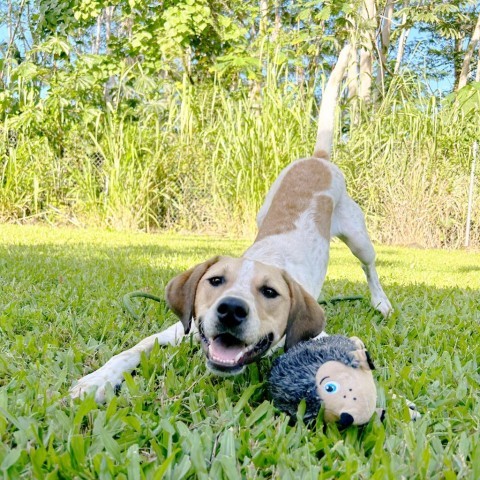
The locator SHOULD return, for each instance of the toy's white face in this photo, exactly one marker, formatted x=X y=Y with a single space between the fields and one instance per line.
x=348 y=394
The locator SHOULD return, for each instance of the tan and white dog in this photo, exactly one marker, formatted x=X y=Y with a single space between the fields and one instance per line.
x=242 y=308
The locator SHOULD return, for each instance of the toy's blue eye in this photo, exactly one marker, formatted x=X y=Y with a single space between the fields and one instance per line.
x=331 y=387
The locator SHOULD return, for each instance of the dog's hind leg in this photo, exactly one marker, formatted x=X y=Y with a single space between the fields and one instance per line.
x=349 y=226
x=112 y=372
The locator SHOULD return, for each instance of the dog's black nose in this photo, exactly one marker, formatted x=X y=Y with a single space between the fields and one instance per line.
x=232 y=311
x=345 y=419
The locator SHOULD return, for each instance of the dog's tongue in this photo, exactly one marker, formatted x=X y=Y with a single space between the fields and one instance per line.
x=225 y=349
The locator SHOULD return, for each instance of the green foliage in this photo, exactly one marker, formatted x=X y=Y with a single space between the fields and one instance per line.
x=467 y=99
x=174 y=420
x=203 y=159
x=448 y=24
x=181 y=114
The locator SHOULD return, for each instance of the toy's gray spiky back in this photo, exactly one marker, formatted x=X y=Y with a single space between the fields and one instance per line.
x=292 y=378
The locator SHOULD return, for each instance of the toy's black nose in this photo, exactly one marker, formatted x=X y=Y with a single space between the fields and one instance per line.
x=232 y=311
x=345 y=419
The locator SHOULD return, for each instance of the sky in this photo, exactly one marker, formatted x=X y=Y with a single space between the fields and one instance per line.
x=441 y=86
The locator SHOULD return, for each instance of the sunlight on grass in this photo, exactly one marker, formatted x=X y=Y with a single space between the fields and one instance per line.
x=61 y=317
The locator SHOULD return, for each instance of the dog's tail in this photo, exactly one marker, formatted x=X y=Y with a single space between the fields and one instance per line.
x=326 y=117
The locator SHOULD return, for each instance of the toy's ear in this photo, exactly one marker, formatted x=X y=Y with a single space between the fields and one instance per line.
x=363 y=358
x=358 y=343
x=361 y=355
x=306 y=318
x=181 y=290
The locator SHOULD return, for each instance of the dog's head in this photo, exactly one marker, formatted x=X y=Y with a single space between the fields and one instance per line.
x=241 y=309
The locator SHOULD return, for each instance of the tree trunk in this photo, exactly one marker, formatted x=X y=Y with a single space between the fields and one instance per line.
x=13 y=26
x=10 y=21
x=96 y=44
x=127 y=26
x=366 y=66
x=465 y=70
x=12 y=49
x=386 y=27
x=5 y=71
x=108 y=29
x=108 y=24
x=457 y=64
x=402 y=41
x=126 y=31
x=477 y=75
x=366 y=52
x=401 y=49
x=263 y=17
x=278 y=20
x=312 y=69
x=256 y=85
x=352 y=73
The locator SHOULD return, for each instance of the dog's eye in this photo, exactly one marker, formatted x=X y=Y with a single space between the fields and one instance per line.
x=268 y=292
x=331 y=387
x=216 y=281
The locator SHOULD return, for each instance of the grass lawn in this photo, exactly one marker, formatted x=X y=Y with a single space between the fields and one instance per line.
x=61 y=317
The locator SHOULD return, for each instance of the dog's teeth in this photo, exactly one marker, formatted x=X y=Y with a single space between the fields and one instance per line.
x=223 y=360
x=239 y=356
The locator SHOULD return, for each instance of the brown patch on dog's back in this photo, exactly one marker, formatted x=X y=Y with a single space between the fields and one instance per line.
x=293 y=197
x=323 y=215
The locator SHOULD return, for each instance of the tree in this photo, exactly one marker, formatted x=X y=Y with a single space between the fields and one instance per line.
x=367 y=16
x=449 y=25
x=463 y=77
x=385 y=26
x=405 y=31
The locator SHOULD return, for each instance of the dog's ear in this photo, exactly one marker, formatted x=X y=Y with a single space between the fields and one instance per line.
x=180 y=292
x=306 y=318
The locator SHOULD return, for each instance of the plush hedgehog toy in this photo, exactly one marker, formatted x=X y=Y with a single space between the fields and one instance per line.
x=333 y=371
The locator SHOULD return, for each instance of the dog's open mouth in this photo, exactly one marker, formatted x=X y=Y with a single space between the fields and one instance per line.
x=227 y=354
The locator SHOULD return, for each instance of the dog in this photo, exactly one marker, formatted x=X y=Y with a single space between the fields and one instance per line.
x=241 y=309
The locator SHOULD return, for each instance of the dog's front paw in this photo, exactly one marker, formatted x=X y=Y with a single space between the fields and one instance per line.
x=97 y=382
x=413 y=412
x=383 y=305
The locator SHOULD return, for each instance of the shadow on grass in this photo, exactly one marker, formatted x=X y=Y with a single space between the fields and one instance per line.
x=468 y=269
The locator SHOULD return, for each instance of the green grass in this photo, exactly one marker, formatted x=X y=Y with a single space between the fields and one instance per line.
x=61 y=317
